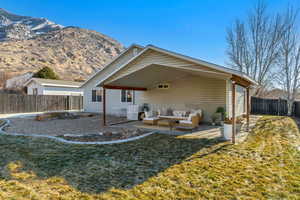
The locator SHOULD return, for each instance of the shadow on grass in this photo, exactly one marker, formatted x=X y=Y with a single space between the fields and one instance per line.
x=95 y=169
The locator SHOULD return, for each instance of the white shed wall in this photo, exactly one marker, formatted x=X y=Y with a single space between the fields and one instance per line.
x=45 y=90
x=34 y=85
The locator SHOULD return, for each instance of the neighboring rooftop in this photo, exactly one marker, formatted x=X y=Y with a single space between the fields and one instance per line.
x=279 y=94
x=57 y=83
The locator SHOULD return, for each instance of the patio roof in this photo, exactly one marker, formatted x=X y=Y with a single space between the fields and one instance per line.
x=153 y=70
x=151 y=75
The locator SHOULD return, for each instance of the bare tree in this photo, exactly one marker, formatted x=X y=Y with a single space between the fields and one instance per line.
x=253 y=46
x=288 y=61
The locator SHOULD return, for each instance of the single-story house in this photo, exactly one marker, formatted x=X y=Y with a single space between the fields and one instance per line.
x=18 y=81
x=39 y=86
x=119 y=100
x=165 y=79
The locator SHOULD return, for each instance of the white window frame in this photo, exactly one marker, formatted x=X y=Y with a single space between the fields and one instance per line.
x=98 y=90
x=126 y=97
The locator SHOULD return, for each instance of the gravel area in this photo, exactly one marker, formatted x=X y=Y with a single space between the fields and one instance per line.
x=57 y=127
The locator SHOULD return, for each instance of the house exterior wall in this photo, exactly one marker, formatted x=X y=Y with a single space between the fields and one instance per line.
x=18 y=81
x=113 y=97
x=194 y=92
x=46 y=90
x=33 y=85
x=114 y=106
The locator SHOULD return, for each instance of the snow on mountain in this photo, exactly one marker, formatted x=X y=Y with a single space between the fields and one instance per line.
x=16 y=27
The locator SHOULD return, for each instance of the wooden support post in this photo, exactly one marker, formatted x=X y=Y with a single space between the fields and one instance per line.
x=104 y=106
x=248 y=107
x=233 y=112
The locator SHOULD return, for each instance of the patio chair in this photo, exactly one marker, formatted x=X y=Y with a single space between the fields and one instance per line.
x=200 y=115
x=150 y=119
x=191 y=122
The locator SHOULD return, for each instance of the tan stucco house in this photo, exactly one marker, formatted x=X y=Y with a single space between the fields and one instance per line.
x=162 y=78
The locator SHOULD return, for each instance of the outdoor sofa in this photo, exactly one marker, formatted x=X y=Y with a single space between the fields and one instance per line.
x=183 y=119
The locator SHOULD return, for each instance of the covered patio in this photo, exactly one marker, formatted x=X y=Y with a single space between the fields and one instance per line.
x=180 y=83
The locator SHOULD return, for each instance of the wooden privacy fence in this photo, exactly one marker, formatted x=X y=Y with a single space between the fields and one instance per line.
x=273 y=107
x=16 y=103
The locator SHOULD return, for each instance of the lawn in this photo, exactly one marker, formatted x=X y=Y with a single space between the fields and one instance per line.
x=266 y=166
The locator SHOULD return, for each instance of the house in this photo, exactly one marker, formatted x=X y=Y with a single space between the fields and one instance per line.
x=39 y=86
x=119 y=100
x=18 y=81
x=165 y=79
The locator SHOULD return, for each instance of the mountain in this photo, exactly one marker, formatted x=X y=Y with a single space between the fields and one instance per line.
x=23 y=27
x=29 y=44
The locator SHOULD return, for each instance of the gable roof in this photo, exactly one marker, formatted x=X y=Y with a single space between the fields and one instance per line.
x=112 y=61
x=187 y=58
x=55 y=83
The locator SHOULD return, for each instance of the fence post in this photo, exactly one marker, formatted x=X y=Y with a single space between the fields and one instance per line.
x=68 y=103
x=278 y=100
x=36 y=104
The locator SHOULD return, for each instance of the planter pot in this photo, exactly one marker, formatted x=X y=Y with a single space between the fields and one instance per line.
x=227 y=131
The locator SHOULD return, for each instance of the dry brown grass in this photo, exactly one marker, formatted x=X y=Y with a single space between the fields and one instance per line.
x=266 y=166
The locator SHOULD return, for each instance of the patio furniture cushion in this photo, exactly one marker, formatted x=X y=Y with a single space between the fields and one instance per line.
x=190 y=116
x=161 y=112
x=151 y=118
x=187 y=113
x=199 y=111
x=185 y=122
x=179 y=113
x=150 y=114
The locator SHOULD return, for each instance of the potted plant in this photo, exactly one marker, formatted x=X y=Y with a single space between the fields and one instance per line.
x=221 y=111
x=214 y=118
x=145 y=107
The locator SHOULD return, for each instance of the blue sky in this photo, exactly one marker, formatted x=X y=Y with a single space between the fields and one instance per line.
x=193 y=27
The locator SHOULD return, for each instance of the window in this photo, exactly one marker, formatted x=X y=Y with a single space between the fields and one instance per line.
x=96 y=95
x=126 y=95
x=34 y=91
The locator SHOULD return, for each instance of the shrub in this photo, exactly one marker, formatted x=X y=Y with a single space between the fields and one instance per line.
x=222 y=111
x=46 y=73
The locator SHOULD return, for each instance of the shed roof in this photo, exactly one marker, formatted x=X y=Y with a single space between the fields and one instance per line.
x=55 y=83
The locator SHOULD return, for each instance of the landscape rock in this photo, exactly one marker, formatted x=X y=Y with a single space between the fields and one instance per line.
x=107 y=134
